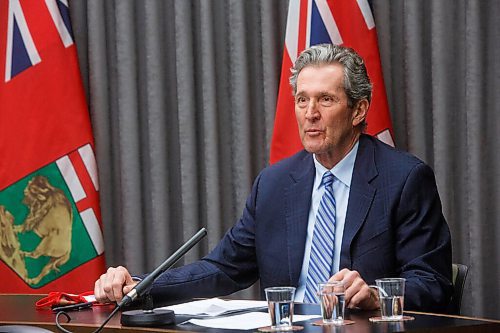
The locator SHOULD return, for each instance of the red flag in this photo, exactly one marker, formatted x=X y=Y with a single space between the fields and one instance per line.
x=345 y=22
x=49 y=206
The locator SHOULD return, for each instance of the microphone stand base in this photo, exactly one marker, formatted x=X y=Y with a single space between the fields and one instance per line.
x=149 y=318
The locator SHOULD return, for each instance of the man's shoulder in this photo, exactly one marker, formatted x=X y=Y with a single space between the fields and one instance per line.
x=290 y=164
x=278 y=176
x=293 y=167
x=388 y=155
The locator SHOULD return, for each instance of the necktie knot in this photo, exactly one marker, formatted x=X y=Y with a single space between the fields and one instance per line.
x=327 y=179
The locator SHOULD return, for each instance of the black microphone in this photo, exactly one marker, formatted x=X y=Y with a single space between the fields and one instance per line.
x=147 y=317
x=146 y=283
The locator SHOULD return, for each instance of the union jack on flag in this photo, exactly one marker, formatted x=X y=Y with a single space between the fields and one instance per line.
x=346 y=22
x=22 y=52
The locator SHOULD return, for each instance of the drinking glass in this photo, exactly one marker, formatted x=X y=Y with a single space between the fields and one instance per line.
x=332 y=299
x=391 y=293
x=280 y=303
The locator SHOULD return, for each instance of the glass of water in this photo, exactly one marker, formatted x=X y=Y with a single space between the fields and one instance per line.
x=332 y=298
x=280 y=303
x=391 y=292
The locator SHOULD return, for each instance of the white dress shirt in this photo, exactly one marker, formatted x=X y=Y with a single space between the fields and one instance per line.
x=341 y=186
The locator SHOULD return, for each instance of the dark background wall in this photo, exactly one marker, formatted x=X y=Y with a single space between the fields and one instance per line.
x=182 y=97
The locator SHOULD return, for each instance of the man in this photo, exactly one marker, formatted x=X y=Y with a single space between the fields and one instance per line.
x=376 y=213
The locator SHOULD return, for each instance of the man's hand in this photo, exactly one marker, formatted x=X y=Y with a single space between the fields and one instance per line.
x=357 y=293
x=113 y=285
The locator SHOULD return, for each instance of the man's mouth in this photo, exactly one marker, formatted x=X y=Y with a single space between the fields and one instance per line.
x=313 y=131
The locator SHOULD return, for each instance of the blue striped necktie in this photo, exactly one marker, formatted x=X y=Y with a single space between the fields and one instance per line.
x=323 y=240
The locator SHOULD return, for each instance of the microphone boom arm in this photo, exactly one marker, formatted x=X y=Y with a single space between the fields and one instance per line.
x=144 y=285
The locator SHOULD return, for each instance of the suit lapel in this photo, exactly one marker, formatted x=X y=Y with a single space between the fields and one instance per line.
x=297 y=204
x=360 y=197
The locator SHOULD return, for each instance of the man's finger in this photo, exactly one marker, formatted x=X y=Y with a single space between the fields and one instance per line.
x=118 y=282
x=339 y=276
x=349 y=277
x=128 y=288
x=352 y=290
x=361 y=296
x=98 y=293
x=107 y=283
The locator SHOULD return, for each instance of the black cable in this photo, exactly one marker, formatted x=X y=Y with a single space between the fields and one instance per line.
x=143 y=286
x=107 y=319
x=62 y=329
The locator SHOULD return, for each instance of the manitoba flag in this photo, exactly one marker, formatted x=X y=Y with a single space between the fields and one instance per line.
x=311 y=22
x=50 y=223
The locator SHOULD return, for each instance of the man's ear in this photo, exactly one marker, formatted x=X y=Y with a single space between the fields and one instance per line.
x=360 y=112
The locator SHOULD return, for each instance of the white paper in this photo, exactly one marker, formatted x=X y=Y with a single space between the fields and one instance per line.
x=90 y=298
x=215 y=307
x=245 y=321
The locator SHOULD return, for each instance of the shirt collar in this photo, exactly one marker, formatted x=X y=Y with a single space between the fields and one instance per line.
x=342 y=170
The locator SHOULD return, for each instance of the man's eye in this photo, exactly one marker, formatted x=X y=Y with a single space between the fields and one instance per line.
x=326 y=100
x=301 y=101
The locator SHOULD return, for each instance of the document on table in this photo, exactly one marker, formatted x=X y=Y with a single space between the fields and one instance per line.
x=214 y=307
x=245 y=321
x=228 y=314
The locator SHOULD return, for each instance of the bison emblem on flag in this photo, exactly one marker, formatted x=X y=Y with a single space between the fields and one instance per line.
x=47 y=227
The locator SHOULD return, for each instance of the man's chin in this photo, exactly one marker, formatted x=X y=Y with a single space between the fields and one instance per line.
x=313 y=149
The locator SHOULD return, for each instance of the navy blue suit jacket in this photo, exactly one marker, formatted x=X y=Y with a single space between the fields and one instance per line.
x=394 y=228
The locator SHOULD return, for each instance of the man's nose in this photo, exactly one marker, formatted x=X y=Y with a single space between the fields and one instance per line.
x=312 y=109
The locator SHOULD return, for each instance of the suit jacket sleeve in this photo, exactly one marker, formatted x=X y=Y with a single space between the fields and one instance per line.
x=423 y=244
x=230 y=267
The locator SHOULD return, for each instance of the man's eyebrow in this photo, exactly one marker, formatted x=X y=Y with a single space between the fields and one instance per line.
x=333 y=94
x=325 y=92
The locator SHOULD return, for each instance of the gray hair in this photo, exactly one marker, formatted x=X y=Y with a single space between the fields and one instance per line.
x=357 y=84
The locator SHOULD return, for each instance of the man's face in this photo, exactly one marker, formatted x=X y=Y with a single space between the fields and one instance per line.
x=326 y=123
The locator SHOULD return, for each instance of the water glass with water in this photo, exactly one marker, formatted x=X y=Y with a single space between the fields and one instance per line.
x=332 y=299
x=391 y=293
x=280 y=303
